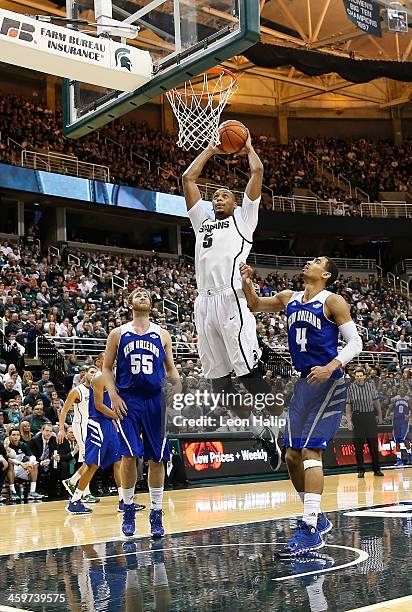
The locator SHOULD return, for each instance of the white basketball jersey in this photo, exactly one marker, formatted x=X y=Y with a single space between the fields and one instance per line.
x=222 y=244
x=81 y=408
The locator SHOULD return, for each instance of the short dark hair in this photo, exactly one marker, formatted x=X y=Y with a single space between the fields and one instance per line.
x=332 y=268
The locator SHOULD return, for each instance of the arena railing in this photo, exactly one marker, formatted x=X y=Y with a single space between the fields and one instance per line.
x=48 y=353
x=307 y=205
x=64 y=164
x=184 y=350
x=169 y=305
x=77 y=345
x=285 y=261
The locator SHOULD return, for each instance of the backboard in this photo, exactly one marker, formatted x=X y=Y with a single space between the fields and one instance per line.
x=184 y=38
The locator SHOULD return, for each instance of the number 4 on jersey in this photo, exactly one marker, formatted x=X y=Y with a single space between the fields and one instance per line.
x=301 y=339
x=142 y=363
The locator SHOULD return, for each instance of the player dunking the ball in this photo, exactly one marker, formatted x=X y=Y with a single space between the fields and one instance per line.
x=226 y=328
x=143 y=354
x=315 y=317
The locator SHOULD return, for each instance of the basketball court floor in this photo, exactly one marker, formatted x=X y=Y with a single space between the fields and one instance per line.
x=219 y=554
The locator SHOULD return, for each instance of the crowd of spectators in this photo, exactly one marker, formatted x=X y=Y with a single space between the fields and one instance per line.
x=51 y=295
x=54 y=296
x=372 y=166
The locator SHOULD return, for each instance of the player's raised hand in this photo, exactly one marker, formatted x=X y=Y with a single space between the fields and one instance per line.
x=118 y=405
x=319 y=375
x=246 y=272
x=60 y=436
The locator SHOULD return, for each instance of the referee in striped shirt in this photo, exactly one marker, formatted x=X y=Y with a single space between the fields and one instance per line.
x=363 y=412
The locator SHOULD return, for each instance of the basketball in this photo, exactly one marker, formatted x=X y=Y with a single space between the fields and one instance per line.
x=233 y=136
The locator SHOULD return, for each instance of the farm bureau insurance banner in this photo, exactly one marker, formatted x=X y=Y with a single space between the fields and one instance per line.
x=365 y=15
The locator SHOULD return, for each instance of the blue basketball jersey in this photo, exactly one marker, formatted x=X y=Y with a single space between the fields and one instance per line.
x=140 y=361
x=96 y=414
x=312 y=337
x=400 y=407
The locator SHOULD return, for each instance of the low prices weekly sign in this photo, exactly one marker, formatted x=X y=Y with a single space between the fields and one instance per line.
x=365 y=15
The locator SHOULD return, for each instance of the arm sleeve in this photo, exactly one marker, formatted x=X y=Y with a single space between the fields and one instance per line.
x=197 y=215
x=250 y=212
x=353 y=343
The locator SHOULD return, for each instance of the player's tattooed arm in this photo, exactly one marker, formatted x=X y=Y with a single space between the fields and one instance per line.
x=275 y=303
x=192 y=173
x=72 y=397
x=98 y=395
x=169 y=364
x=110 y=353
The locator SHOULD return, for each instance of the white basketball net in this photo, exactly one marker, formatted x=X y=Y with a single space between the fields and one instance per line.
x=197 y=107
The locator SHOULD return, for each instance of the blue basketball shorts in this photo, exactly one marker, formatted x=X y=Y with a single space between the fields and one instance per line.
x=102 y=443
x=142 y=431
x=315 y=413
x=400 y=430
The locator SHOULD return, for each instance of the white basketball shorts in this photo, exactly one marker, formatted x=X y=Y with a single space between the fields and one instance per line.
x=80 y=433
x=226 y=332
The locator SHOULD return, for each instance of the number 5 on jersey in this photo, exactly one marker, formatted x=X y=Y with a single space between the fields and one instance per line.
x=301 y=339
x=142 y=363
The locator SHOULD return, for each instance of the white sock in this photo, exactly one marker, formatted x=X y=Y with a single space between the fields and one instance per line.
x=128 y=495
x=33 y=487
x=302 y=496
x=156 y=498
x=398 y=454
x=75 y=478
x=311 y=508
x=87 y=490
x=120 y=492
x=77 y=495
x=13 y=488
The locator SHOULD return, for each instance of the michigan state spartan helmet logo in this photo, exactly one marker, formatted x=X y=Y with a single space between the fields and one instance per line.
x=122 y=58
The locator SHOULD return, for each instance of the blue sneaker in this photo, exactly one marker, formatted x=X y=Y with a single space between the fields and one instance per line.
x=399 y=463
x=137 y=507
x=324 y=525
x=129 y=526
x=130 y=550
x=78 y=508
x=304 y=565
x=156 y=526
x=305 y=541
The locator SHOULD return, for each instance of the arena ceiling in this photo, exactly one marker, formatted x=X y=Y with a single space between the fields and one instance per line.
x=309 y=25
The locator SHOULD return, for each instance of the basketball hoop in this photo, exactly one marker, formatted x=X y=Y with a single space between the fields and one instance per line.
x=198 y=105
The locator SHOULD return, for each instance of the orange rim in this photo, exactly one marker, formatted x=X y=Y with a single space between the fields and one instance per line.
x=215 y=71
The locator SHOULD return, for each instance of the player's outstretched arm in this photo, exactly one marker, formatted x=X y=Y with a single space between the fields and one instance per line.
x=191 y=175
x=275 y=303
x=70 y=400
x=337 y=309
x=98 y=395
x=110 y=354
x=254 y=187
x=169 y=365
